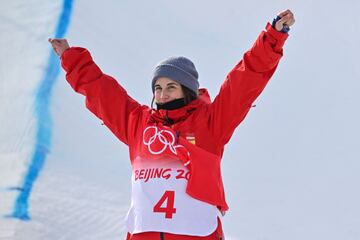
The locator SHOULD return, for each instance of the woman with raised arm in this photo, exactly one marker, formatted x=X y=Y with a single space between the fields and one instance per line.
x=176 y=148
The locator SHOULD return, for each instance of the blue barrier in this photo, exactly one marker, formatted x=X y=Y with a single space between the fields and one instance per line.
x=44 y=120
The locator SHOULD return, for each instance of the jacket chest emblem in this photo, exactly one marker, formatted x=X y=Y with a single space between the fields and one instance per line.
x=190 y=137
x=162 y=141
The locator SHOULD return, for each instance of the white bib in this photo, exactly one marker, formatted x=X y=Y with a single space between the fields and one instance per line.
x=159 y=202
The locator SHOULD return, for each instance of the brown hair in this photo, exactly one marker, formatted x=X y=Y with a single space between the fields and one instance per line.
x=189 y=95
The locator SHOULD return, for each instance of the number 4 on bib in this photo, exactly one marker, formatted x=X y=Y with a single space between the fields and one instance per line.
x=169 y=210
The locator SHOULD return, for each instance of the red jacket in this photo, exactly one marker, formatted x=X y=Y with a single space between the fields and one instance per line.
x=207 y=125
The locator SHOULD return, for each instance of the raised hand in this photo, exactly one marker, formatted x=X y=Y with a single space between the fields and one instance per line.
x=59 y=45
x=287 y=19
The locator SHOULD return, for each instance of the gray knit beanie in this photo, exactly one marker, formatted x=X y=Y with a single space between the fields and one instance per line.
x=179 y=69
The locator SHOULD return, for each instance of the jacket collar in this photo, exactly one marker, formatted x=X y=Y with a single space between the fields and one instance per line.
x=168 y=117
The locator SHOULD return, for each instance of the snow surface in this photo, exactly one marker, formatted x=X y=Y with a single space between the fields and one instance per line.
x=291 y=170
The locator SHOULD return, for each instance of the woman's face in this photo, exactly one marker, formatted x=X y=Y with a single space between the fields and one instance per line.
x=167 y=90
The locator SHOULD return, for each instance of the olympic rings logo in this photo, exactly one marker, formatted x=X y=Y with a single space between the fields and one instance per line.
x=158 y=140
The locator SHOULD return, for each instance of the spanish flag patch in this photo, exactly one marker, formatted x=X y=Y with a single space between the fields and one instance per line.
x=191 y=138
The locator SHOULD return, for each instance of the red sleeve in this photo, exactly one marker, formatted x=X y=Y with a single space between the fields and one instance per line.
x=245 y=82
x=104 y=96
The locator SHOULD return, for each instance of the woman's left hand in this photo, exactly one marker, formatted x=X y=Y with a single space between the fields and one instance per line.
x=287 y=19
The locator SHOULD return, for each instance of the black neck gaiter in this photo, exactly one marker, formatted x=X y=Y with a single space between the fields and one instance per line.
x=174 y=104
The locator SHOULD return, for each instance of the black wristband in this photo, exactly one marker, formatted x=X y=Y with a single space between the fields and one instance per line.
x=285 y=28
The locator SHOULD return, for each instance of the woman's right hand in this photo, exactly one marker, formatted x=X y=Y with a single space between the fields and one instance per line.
x=59 y=45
